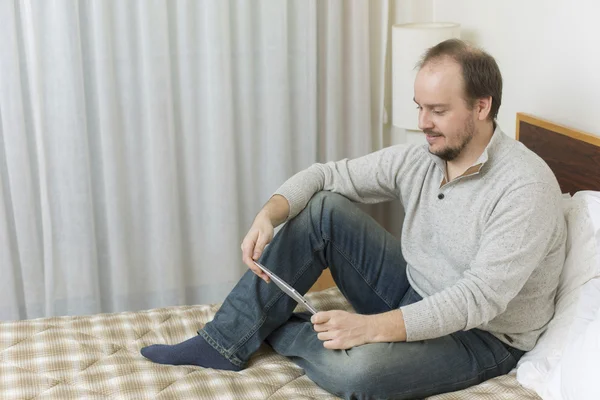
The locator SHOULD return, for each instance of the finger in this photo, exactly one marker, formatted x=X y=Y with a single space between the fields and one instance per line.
x=320 y=317
x=325 y=336
x=260 y=246
x=262 y=275
x=259 y=272
x=247 y=249
x=320 y=327
x=247 y=246
x=250 y=262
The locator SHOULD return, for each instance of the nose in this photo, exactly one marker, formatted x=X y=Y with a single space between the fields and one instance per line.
x=425 y=121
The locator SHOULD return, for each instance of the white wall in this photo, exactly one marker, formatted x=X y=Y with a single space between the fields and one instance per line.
x=548 y=52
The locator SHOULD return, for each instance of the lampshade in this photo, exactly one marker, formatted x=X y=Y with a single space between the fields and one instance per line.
x=409 y=42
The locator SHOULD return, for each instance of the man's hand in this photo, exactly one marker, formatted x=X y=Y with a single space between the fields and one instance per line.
x=340 y=329
x=343 y=330
x=259 y=235
x=261 y=232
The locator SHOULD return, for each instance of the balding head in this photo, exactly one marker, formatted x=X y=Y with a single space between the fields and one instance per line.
x=480 y=72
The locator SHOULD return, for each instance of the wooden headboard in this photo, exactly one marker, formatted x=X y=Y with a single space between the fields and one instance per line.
x=574 y=156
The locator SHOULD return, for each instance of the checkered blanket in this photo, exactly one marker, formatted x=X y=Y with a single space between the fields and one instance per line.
x=97 y=357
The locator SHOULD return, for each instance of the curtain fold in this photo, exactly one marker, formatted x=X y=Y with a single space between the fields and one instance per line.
x=139 y=138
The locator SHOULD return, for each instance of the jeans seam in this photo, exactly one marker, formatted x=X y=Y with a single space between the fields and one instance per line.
x=229 y=353
x=256 y=326
x=498 y=363
x=485 y=369
x=348 y=259
x=304 y=266
x=231 y=358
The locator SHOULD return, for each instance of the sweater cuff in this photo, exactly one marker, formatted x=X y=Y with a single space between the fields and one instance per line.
x=420 y=322
x=295 y=198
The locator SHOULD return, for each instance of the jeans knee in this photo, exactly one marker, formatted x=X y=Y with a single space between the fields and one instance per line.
x=328 y=198
x=326 y=205
x=352 y=377
x=353 y=384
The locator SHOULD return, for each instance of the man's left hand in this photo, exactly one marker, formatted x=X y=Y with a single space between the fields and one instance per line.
x=340 y=329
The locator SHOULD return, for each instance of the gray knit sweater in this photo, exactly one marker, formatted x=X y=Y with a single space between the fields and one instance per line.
x=487 y=254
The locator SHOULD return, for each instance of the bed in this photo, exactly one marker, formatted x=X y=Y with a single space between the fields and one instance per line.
x=97 y=356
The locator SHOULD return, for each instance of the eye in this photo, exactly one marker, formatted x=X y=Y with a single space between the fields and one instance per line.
x=419 y=108
x=438 y=112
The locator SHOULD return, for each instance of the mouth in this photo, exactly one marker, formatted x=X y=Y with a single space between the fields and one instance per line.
x=432 y=137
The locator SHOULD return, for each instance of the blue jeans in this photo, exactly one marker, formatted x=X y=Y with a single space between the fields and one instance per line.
x=367 y=265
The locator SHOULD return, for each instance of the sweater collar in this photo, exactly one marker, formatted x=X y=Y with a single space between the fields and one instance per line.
x=492 y=151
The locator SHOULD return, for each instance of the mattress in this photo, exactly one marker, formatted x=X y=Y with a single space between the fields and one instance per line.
x=97 y=357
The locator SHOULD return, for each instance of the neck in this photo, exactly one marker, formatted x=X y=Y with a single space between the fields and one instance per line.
x=472 y=152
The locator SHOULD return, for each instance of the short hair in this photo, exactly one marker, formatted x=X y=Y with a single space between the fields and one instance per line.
x=481 y=75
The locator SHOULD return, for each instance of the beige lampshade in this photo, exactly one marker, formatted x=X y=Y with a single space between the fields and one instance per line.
x=409 y=42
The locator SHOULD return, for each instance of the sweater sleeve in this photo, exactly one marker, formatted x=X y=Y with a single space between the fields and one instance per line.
x=369 y=179
x=518 y=235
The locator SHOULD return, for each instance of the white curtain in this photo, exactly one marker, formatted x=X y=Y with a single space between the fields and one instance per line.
x=139 y=138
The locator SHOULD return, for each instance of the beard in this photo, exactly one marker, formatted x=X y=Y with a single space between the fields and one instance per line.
x=449 y=153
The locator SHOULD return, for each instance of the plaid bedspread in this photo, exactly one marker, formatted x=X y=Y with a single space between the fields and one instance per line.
x=97 y=357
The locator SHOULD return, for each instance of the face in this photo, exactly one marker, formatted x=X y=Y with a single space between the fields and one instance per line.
x=444 y=116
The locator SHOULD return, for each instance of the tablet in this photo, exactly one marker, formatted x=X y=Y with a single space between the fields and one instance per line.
x=287 y=289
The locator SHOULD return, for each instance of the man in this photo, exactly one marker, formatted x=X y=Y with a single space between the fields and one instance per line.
x=468 y=289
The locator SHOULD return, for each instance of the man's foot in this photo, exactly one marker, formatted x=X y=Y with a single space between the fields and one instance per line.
x=194 y=351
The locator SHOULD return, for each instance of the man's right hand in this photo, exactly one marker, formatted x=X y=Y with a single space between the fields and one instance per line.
x=261 y=232
x=259 y=235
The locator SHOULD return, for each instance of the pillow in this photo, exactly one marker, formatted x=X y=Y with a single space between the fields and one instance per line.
x=580 y=363
x=583 y=222
x=540 y=368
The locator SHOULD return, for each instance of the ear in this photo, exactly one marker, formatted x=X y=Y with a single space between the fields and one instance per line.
x=483 y=107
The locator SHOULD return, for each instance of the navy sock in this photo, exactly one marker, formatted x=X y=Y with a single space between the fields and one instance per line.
x=194 y=351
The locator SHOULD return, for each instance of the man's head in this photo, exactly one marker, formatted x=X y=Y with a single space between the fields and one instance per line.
x=458 y=90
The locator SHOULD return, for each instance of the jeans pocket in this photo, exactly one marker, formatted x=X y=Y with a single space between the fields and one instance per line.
x=516 y=353
x=493 y=356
